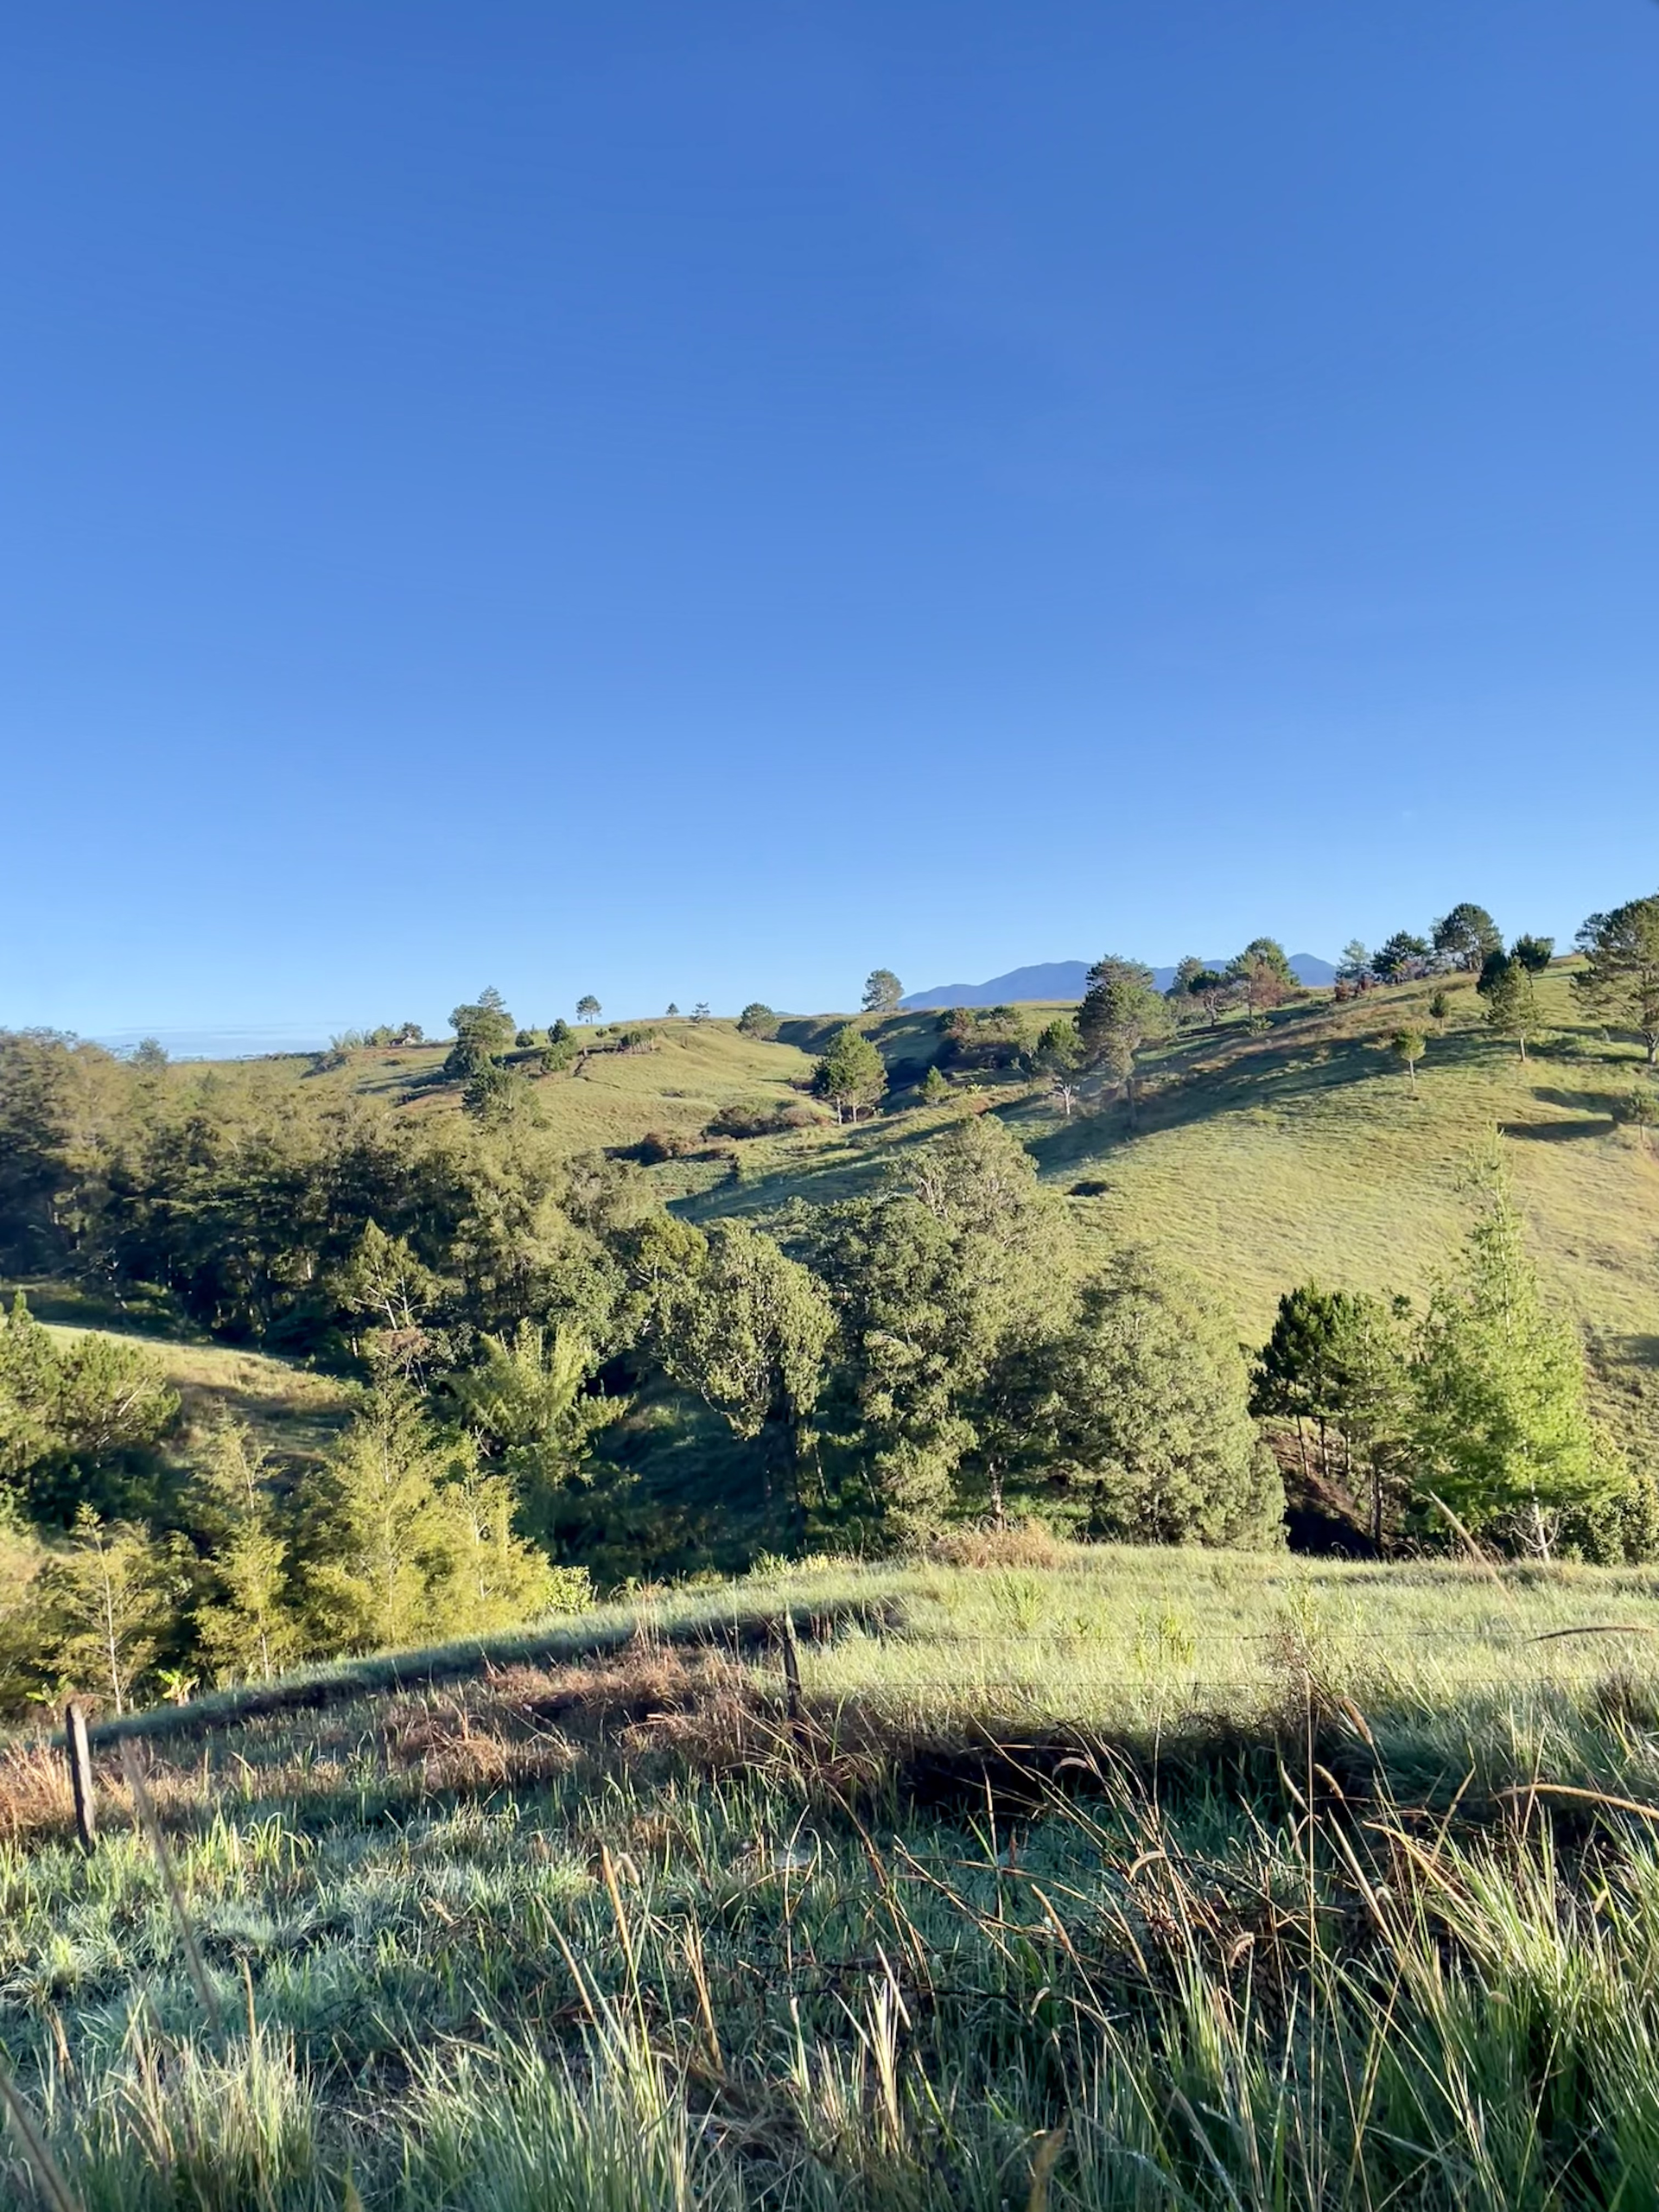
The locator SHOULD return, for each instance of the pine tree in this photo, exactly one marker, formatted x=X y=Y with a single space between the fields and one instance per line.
x=491 y=1580
x=526 y=1396
x=391 y=1523
x=852 y=1074
x=1408 y=1047
x=244 y=1621
x=1620 y=976
x=1502 y=1431
x=1153 y=1440
x=108 y=1601
x=1511 y=1002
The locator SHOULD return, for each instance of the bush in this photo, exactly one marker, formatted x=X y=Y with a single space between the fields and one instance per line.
x=658 y=1145
x=753 y=1118
x=1019 y=1543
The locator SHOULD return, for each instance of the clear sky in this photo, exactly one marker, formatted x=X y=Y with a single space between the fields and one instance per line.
x=695 y=502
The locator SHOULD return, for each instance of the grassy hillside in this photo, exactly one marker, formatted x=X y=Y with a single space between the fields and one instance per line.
x=294 y=1412
x=677 y=1083
x=1077 y=1881
x=1256 y=1160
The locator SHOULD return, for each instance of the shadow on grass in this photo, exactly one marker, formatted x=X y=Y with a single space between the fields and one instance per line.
x=1552 y=1132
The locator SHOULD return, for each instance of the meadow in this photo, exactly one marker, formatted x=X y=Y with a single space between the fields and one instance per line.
x=1072 y=1879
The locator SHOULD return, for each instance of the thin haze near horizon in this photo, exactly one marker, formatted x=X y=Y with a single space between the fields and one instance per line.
x=698 y=504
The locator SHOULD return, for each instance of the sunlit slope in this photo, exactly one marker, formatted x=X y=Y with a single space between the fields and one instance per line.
x=1307 y=1153
x=675 y=1085
x=1256 y=1159
x=294 y=1412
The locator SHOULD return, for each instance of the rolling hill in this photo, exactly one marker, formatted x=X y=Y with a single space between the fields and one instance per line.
x=1256 y=1159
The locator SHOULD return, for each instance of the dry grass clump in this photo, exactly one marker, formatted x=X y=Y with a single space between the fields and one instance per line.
x=1017 y=1543
x=35 y=1801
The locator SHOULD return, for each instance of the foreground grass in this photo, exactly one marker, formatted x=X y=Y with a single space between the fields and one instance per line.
x=1126 y=1879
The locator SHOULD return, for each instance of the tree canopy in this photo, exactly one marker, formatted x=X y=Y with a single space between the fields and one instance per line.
x=852 y=1074
x=1620 y=976
x=1465 y=937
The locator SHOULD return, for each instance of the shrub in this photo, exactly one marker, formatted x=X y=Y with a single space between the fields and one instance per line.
x=662 y=1144
x=752 y=1118
x=1019 y=1543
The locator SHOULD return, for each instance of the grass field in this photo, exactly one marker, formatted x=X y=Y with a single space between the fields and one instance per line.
x=1080 y=1879
x=294 y=1412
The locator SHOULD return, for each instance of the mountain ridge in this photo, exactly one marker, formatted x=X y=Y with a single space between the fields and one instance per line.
x=1068 y=979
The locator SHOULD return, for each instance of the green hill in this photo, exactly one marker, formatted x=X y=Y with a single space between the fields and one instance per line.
x=1262 y=1160
x=1256 y=1159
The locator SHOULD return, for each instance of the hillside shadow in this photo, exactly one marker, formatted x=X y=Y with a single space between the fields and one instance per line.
x=1552 y=1132
x=1586 y=1101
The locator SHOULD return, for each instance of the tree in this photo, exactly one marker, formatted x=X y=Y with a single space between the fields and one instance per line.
x=1263 y=973
x=1408 y=1045
x=1120 y=1012
x=1620 y=976
x=758 y=1020
x=1336 y=1360
x=107 y=1601
x=527 y=1398
x=1298 y=1376
x=1213 y=989
x=673 y=1013
x=747 y=1329
x=852 y=1074
x=1058 y=1054
x=1402 y=957
x=150 y=1054
x=1265 y=952
x=1354 y=965
x=496 y=1095
x=1534 y=953
x=1511 y=1002
x=243 y=1620
x=946 y=1290
x=882 y=991
x=389 y=1533
x=700 y=1011
x=1465 y=937
x=385 y=1285
x=588 y=1007
x=1502 y=1433
x=935 y=1085
x=484 y=1030
x=1152 y=1440
x=1181 y=993
x=75 y=1413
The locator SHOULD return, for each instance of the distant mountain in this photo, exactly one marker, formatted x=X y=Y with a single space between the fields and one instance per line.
x=1066 y=979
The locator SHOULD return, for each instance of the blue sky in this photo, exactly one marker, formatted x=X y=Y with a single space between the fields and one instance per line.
x=694 y=503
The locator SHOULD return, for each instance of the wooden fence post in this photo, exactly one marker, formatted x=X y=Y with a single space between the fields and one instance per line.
x=791 y=1669
x=78 y=1750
